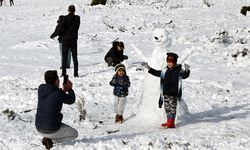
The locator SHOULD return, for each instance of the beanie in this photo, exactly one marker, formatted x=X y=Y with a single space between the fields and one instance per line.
x=119 y=66
x=172 y=57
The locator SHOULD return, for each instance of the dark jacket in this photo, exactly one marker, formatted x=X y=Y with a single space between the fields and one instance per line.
x=121 y=85
x=171 y=79
x=56 y=33
x=69 y=27
x=116 y=55
x=50 y=101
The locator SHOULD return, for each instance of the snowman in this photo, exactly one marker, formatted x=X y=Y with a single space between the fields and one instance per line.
x=149 y=113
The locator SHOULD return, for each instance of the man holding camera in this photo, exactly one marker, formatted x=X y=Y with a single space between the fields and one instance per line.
x=48 y=116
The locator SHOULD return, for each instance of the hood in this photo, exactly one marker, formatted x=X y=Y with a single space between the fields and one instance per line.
x=45 y=89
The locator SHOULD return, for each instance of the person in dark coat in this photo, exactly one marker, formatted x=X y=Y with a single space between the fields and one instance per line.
x=69 y=31
x=115 y=54
x=1 y=2
x=48 y=120
x=57 y=33
x=121 y=83
x=170 y=82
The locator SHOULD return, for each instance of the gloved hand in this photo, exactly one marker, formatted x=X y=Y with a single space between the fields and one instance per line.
x=160 y=103
x=145 y=64
x=52 y=36
x=125 y=57
x=186 y=66
x=121 y=82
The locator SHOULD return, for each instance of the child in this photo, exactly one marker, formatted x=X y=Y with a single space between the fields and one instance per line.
x=121 y=83
x=170 y=86
x=115 y=54
x=57 y=33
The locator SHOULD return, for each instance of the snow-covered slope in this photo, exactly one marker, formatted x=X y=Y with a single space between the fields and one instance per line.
x=217 y=92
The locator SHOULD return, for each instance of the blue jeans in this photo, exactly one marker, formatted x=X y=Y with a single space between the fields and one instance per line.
x=69 y=56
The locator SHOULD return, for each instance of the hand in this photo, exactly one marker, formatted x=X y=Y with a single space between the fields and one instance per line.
x=121 y=82
x=125 y=57
x=67 y=86
x=145 y=64
x=186 y=66
x=52 y=36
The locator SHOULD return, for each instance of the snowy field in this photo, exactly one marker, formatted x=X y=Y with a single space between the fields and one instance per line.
x=217 y=91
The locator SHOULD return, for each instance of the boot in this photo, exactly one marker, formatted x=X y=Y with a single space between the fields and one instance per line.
x=117 y=118
x=76 y=75
x=169 y=123
x=121 y=118
x=47 y=143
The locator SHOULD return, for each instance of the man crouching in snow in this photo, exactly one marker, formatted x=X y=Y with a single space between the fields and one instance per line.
x=170 y=86
x=48 y=116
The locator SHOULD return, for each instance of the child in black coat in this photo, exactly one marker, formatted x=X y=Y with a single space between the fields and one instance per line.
x=121 y=83
x=170 y=86
x=115 y=54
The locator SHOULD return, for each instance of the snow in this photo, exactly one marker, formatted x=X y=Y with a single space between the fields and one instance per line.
x=217 y=91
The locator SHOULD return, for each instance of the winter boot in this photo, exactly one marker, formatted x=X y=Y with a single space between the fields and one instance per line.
x=121 y=118
x=169 y=123
x=117 y=118
x=47 y=143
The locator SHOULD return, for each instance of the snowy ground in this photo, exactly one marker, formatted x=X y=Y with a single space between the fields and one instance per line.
x=217 y=92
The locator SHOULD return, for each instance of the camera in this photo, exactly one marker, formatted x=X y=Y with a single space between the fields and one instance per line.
x=65 y=79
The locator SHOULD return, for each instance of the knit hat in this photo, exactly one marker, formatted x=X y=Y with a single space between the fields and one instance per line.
x=172 y=57
x=119 y=66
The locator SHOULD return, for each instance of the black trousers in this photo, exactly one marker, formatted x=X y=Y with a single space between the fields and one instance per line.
x=72 y=45
x=11 y=2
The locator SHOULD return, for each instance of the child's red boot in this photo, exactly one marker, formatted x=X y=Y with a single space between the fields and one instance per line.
x=170 y=121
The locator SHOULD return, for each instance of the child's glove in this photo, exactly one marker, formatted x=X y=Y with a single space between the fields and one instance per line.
x=145 y=64
x=186 y=66
x=121 y=82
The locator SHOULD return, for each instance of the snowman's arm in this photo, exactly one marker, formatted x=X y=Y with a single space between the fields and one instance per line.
x=139 y=53
x=184 y=57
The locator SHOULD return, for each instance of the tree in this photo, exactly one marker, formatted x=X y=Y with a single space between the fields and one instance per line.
x=97 y=2
x=244 y=10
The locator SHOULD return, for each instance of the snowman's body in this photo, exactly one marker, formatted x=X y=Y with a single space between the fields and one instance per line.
x=149 y=110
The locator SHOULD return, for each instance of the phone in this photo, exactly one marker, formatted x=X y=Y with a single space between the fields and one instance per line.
x=65 y=79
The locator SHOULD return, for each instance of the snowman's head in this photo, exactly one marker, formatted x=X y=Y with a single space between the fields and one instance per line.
x=160 y=37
